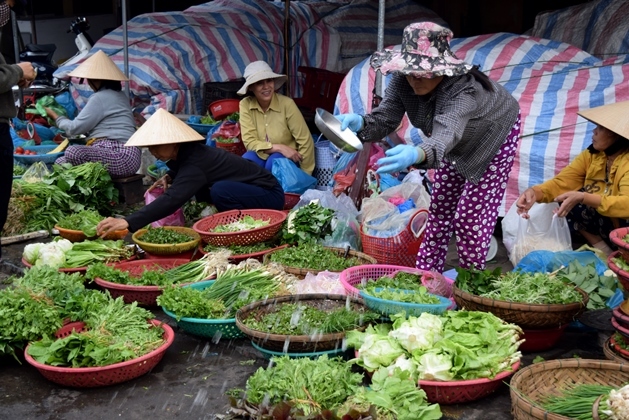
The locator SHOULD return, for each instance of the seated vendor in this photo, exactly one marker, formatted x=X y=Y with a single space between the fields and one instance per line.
x=593 y=189
x=195 y=169
x=107 y=120
x=271 y=124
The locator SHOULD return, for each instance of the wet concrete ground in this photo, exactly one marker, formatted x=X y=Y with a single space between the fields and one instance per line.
x=190 y=381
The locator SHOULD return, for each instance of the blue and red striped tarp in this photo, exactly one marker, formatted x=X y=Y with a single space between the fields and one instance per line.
x=551 y=81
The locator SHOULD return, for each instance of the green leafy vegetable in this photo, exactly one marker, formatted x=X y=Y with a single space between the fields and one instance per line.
x=186 y=302
x=85 y=220
x=161 y=235
x=307 y=224
x=246 y=223
x=312 y=256
x=599 y=288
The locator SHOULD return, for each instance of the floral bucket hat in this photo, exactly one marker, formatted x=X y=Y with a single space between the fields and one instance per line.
x=425 y=52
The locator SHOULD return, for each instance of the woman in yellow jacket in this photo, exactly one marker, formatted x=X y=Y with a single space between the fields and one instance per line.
x=271 y=124
x=594 y=188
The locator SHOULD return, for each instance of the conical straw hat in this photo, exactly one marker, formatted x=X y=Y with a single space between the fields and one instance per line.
x=163 y=128
x=614 y=117
x=98 y=66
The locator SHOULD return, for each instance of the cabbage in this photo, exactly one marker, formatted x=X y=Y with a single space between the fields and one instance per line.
x=404 y=364
x=378 y=351
x=50 y=255
x=64 y=245
x=417 y=333
x=31 y=252
x=435 y=367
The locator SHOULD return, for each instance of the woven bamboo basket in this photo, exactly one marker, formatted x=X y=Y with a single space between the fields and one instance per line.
x=302 y=272
x=536 y=382
x=168 y=249
x=527 y=316
x=296 y=343
x=611 y=354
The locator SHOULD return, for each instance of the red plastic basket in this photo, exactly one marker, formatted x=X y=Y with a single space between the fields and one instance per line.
x=235 y=148
x=455 y=392
x=356 y=275
x=623 y=276
x=620 y=317
x=92 y=377
x=291 y=200
x=540 y=340
x=144 y=295
x=400 y=249
x=616 y=236
x=248 y=237
x=223 y=108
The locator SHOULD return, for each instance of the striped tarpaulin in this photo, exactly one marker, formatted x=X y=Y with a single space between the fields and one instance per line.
x=550 y=80
x=172 y=54
x=599 y=27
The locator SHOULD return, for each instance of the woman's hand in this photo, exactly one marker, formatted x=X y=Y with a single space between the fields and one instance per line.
x=289 y=153
x=162 y=183
x=52 y=114
x=110 y=224
x=568 y=201
x=525 y=202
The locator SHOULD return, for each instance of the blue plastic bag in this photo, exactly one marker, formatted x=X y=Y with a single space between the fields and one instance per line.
x=65 y=100
x=549 y=261
x=292 y=179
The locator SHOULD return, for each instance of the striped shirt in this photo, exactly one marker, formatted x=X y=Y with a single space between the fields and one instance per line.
x=463 y=123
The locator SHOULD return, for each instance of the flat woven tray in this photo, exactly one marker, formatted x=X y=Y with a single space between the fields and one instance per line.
x=527 y=316
x=302 y=272
x=536 y=382
x=296 y=343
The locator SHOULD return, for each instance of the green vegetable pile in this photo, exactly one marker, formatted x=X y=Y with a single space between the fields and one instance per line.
x=18 y=170
x=304 y=319
x=402 y=287
x=186 y=302
x=241 y=249
x=84 y=220
x=115 y=333
x=314 y=257
x=88 y=184
x=516 y=286
x=309 y=223
x=598 y=287
x=246 y=223
x=207 y=119
x=576 y=401
x=621 y=263
x=161 y=235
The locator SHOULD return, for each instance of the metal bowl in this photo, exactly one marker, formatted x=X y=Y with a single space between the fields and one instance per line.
x=331 y=129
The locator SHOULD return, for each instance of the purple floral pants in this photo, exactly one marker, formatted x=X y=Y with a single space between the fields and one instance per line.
x=469 y=210
x=121 y=161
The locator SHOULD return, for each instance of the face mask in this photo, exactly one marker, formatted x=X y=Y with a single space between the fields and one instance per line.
x=5 y=14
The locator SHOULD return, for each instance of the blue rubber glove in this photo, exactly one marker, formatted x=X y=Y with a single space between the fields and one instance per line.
x=399 y=158
x=352 y=121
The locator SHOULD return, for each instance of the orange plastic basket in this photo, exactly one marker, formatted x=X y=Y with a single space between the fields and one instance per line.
x=616 y=236
x=291 y=200
x=204 y=227
x=91 y=377
x=400 y=249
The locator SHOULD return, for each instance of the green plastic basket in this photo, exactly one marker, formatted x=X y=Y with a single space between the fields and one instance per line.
x=270 y=353
x=210 y=328
x=391 y=307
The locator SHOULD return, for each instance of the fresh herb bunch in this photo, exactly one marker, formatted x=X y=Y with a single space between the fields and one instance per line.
x=418 y=295
x=534 y=288
x=304 y=319
x=87 y=253
x=155 y=275
x=237 y=287
x=186 y=302
x=312 y=256
x=400 y=280
x=309 y=223
x=308 y=386
x=475 y=281
x=192 y=209
x=576 y=401
x=621 y=341
x=161 y=235
x=85 y=221
x=88 y=184
x=246 y=223
x=234 y=117
x=18 y=170
x=208 y=119
x=599 y=288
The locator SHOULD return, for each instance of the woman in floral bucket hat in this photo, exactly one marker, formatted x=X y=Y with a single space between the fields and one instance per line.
x=471 y=126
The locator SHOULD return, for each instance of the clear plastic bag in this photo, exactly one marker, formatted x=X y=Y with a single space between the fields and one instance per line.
x=37 y=172
x=175 y=219
x=541 y=231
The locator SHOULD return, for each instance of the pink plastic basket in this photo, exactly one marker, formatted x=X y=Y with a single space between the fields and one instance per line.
x=434 y=282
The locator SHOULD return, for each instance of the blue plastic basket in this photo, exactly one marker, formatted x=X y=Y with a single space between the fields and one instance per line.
x=391 y=307
x=41 y=155
x=201 y=128
x=210 y=328
x=270 y=353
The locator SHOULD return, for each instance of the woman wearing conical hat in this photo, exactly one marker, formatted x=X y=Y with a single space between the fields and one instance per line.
x=593 y=189
x=194 y=169
x=107 y=118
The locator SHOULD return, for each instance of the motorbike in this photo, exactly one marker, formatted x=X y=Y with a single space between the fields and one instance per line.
x=40 y=55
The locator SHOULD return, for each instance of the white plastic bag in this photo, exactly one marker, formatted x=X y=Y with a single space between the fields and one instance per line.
x=542 y=231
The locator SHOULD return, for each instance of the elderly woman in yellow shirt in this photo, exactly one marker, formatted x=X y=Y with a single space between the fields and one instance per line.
x=271 y=125
x=594 y=188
